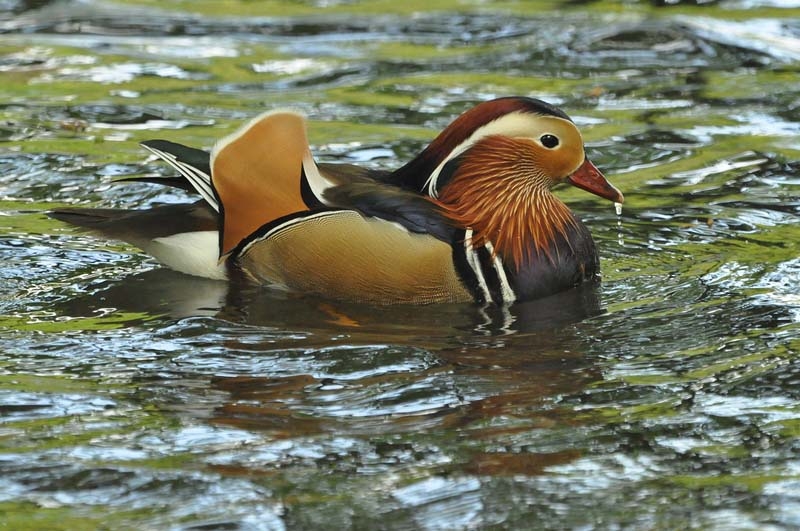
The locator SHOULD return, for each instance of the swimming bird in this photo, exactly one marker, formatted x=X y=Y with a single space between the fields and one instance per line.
x=471 y=218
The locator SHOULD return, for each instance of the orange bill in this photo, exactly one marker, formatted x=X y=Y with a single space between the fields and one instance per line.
x=589 y=178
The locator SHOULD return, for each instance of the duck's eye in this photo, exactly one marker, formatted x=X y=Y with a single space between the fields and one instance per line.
x=549 y=141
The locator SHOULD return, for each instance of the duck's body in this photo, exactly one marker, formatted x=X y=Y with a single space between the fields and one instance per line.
x=471 y=218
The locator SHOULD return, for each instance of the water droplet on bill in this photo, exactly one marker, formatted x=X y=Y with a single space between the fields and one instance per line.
x=618 y=210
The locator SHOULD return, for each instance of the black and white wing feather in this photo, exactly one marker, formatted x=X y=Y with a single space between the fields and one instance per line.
x=193 y=164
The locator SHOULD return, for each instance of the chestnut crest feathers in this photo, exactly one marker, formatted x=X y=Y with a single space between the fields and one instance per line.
x=509 y=116
x=554 y=142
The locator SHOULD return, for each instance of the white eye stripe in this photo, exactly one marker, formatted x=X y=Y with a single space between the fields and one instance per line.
x=516 y=124
x=513 y=124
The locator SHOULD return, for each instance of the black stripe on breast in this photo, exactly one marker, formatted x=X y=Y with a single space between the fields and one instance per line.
x=490 y=274
x=463 y=268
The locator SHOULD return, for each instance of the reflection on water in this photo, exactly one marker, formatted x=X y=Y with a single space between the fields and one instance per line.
x=165 y=293
x=663 y=398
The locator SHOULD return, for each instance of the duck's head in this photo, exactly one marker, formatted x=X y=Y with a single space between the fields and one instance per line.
x=527 y=137
x=494 y=166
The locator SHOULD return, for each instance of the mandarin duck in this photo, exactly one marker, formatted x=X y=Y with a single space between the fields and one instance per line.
x=471 y=218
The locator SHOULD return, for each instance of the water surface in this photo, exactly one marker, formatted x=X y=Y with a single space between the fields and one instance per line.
x=132 y=397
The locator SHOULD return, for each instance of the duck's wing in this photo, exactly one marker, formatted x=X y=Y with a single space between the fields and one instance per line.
x=343 y=173
x=261 y=173
x=414 y=212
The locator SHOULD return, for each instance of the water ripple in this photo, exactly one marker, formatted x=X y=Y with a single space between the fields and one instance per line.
x=132 y=396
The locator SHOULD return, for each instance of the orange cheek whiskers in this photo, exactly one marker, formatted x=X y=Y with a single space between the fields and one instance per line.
x=518 y=220
x=500 y=192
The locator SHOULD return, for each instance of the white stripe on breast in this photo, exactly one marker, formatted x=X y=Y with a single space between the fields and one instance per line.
x=506 y=291
x=474 y=263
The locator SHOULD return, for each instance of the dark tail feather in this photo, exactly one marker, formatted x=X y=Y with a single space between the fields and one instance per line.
x=106 y=222
x=88 y=218
x=193 y=164
x=140 y=226
x=196 y=158
x=175 y=182
x=193 y=157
